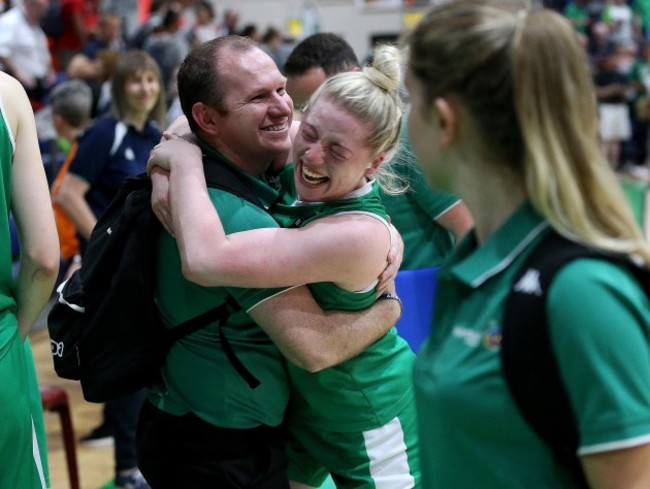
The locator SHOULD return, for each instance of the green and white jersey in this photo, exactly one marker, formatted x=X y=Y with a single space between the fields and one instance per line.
x=7 y=144
x=471 y=432
x=371 y=389
x=414 y=212
x=22 y=462
x=198 y=377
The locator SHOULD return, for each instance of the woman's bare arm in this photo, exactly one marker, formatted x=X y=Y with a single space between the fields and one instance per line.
x=32 y=210
x=348 y=250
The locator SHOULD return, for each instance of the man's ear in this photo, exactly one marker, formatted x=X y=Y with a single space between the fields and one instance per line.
x=207 y=118
x=447 y=120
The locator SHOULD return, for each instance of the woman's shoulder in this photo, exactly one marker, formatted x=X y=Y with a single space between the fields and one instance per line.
x=596 y=293
x=13 y=97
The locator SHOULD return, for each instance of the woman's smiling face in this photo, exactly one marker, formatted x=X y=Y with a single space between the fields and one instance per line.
x=331 y=153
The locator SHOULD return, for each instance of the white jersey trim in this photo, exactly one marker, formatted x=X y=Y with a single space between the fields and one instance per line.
x=390 y=241
x=478 y=281
x=12 y=138
x=615 y=445
x=271 y=297
x=440 y=214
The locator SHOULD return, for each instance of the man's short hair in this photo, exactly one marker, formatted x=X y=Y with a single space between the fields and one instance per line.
x=325 y=50
x=73 y=101
x=199 y=77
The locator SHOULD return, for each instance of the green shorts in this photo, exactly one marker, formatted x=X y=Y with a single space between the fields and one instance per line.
x=382 y=458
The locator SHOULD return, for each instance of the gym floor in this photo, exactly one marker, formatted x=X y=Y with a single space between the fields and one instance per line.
x=95 y=464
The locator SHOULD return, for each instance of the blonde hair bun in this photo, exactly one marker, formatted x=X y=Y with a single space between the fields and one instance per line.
x=385 y=71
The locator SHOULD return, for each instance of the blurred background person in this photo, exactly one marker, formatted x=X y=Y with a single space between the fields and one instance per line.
x=112 y=149
x=24 y=52
x=519 y=143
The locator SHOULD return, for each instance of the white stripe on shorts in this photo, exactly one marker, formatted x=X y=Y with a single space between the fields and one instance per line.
x=389 y=467
x=37 y=456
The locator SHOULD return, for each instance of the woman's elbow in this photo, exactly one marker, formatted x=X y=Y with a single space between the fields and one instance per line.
x=44 y=260
x=195 y=272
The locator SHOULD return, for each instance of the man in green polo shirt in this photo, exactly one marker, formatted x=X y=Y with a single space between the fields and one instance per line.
x=203 y=425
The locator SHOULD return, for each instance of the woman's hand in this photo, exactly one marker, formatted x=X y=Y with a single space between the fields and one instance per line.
x=160 y=198
x=179 y=127
x=174 y=150
x=393 y=261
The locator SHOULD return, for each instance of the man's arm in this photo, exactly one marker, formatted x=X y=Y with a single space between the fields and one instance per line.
x=629 y=468
x=315 y=339
x=457 y=220
x=71 y=198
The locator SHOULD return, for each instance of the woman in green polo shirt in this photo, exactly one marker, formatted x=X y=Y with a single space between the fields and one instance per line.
x=503 y=109
x=355 y=420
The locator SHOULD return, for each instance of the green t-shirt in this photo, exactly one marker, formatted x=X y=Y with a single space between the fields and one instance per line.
x=471 y=432
x=578 y=15
x=197 y=376
x=642 y=9
x=352 y=396
x=414 y=213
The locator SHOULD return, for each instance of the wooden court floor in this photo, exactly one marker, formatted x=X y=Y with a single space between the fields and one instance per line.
x=95 y=464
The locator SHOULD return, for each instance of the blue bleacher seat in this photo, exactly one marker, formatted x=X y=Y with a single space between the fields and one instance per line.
x=417 y=289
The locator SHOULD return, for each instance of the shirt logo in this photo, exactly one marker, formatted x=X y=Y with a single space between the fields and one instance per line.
x=529 y=283
x=57 y=348
x=129 y=154
x=469 y=336
x=492 y=336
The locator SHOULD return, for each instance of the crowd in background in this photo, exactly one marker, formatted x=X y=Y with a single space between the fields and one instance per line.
x=615 y=34
x=84 y=39
x=86 y=43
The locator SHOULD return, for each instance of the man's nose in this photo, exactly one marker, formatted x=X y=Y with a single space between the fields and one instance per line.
x=281 y=105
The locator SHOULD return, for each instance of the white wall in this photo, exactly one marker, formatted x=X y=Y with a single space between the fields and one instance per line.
x=339 y=16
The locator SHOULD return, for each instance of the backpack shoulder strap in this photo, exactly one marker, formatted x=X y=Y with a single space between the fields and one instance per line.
x=221 y=176
x=529 y=365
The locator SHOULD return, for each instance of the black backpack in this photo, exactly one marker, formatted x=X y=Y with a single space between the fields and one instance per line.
x=105 y=330
x=529 y=365
x=52 y=20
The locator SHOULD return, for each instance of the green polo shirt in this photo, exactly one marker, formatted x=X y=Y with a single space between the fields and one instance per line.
x=197 y=376
x=471 y=433
x=414 y=213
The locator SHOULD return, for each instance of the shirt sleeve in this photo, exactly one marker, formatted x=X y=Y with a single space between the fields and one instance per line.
x=433 y=202
x=239 y=215
x=599 y=321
